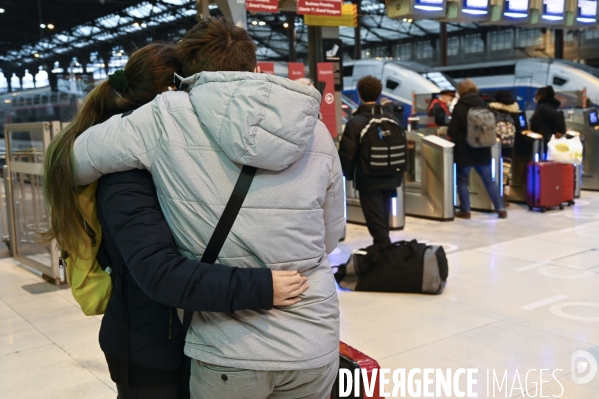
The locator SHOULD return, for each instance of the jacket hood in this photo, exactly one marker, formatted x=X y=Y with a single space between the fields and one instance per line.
x=471 y=100
x=257 y=119
x=512 y=108
x=552 y=101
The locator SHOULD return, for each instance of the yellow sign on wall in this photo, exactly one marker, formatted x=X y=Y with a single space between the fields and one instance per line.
x=349 y=17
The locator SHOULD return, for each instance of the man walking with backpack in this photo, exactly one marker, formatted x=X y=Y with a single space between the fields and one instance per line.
x=473 y=129
x=373 y=155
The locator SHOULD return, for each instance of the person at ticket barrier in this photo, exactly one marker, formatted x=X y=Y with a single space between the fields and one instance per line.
x=135 y=235
x=439 y=108
x=467 y=157
x=547 y=120
x=195 y=145
x=376 y=192
x=504 y=105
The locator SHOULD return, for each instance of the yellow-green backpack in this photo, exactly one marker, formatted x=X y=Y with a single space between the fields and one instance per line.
x=90 y=284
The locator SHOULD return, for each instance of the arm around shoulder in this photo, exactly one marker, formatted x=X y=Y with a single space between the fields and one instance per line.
x=123 y=142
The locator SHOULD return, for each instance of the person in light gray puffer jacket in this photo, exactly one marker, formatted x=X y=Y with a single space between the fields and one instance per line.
x=195 y=146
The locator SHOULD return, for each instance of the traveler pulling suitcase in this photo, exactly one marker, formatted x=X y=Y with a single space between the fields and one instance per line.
x=352 y=359
x=546 y=185
x=399 y=267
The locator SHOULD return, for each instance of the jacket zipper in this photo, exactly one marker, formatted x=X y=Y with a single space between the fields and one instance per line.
x=170 y=323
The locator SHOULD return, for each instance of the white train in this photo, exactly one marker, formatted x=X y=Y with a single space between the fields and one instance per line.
x=401 y=79
x=523 y=77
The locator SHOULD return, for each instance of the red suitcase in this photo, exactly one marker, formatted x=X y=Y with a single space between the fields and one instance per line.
x=569 y=183
x=545 y=185
x=352 y=359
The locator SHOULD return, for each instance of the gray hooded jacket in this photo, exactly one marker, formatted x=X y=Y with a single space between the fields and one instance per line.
x=195 y=145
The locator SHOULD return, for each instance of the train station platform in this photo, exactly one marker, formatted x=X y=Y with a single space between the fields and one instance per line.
x=522 y=295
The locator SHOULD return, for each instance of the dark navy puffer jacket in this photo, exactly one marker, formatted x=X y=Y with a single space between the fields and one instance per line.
x=158 y=278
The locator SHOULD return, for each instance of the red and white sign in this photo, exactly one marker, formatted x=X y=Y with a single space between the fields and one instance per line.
x=331 y=8
x=267 y=67
x=296 y=70
x=262 y=5
x=327 y=105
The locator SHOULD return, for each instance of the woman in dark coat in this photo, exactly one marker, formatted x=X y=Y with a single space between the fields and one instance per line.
x=547 y=120
x=467 y=157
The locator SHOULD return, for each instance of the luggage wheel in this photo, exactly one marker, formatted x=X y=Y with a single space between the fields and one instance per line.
x=529 y=208
x=543 y=209
x=561 y=207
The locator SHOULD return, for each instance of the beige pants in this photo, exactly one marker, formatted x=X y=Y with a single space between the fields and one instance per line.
x=216 y=382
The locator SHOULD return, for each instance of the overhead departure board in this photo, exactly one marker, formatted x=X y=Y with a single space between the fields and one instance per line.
x=553 y=10
x=428 y=5
x=516 y=8
x=475 y=7
x=587 y=11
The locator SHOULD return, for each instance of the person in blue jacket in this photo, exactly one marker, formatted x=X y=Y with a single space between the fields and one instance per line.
x=141 y=334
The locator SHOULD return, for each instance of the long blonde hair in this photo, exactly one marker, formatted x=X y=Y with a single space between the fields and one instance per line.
x=148 y=73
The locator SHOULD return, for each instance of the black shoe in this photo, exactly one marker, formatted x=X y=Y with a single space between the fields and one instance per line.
x=462 y=215
x=502 y=214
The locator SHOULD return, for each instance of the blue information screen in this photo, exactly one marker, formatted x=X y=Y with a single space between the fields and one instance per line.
x=554 y=9
x=516 y=8
x=475 y=6
x=593 y=118
x=429 y=5
x=587 y=11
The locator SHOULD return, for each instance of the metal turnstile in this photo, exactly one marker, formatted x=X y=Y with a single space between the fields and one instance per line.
x=26 y=145
x=586 y=121
x=430 y=180
x=354 y=214
x=527 y=148
x=479 y=198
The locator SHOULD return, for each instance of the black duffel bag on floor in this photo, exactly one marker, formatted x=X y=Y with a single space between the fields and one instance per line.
x=403 y=266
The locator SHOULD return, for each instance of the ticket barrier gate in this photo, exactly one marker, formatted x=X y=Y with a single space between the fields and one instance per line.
x=479 y=198
x=586 y=121
x=527 y=148
x=430 y=180
x=26 y=145
x=354 y=214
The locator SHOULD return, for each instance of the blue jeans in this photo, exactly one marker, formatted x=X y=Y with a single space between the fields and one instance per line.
x=491 y=186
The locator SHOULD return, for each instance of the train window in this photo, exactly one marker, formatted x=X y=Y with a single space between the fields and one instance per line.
x=36 y=99
x=348 y=70
x=559 y=81
x=392 y=84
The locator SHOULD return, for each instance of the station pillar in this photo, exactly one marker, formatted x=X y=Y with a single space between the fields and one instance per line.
x=234 y=10
x=358 y=32
x=559 y=44
x=443 y=44
x=202 y=9
x=316 y=36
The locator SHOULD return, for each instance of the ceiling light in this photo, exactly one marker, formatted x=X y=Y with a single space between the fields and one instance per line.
x=76 y=64
x=103 y=65
x=136 y=24
x=143 y=25
x=410 y=20
x=36 y=55
x=6 y=101
x=254 y=22
x=43 y=26
x=50 y=26
x=2 y=10
x=119 y=54
x=285 y=25
x=261 y=23
x=405 y=20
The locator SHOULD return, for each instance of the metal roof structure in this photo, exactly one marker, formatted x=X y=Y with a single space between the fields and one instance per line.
x=83 y=27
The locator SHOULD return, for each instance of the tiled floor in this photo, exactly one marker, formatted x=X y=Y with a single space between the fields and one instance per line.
x=522 y=294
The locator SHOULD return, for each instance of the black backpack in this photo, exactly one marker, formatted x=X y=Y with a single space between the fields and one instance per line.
x=383 y=146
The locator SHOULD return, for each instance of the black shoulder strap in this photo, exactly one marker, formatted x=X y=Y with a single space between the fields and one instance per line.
x=224 y=225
